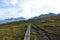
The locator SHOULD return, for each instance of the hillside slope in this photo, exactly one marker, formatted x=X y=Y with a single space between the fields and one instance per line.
x=16 y=30
x=50 y=25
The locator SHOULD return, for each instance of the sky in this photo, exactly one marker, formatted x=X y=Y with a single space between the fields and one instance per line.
x=27 y=8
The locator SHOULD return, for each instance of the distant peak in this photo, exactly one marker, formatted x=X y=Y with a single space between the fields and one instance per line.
x=51 y=13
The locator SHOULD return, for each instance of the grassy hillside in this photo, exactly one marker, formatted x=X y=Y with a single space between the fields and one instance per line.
x=50 y=24
x=16 y=30
x=12 y=31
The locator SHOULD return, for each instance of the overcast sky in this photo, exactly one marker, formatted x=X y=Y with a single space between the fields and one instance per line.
x=27 y=8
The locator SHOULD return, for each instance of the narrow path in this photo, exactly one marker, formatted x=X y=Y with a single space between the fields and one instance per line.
x=27 y=34
x=37 y=29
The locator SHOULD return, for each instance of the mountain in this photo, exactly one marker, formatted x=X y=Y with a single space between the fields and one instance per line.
x=17 y=30
x=12 y=20
x=45 y=15
x=22 y=18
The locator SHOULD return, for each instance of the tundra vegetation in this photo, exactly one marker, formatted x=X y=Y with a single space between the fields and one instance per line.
x=16 y=30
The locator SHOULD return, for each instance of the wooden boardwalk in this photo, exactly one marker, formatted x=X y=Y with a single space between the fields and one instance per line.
x=28 y=31
x=27 y=34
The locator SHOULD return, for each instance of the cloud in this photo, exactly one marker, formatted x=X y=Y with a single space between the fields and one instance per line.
x=37 y=7
x=9 y=8
x=8 y=13
x=27 y=8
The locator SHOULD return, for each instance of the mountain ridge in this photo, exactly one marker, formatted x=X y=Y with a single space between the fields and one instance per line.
x=12 y=19
x=17 y=30
x=45 y=15
x=22 y=18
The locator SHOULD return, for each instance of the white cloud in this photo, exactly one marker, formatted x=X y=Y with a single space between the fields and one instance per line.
x=36 y=5
x=13 y=2
x=29 y=8
x=8 y=13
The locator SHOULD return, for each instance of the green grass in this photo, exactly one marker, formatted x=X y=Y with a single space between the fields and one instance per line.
x=12 y=31
x=16 y=30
